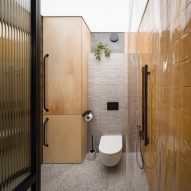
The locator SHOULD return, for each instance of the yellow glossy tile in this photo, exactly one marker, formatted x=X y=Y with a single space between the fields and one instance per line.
x=170 y=173
x=173 y=124
x=185 y=174
x=175 y=29
x=177 y=50
x=174 y=97
x=185 y=46
x=169 y=100
x=164 y=72
x=185 y=73
x=178 y=156
x=186 y=138
x=186 y=100
x=174 y=74
x=163 y=95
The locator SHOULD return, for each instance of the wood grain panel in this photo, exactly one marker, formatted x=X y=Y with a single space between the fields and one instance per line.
x=86 y=49
x=62 y=41
x=63 y=135
x=67 y=40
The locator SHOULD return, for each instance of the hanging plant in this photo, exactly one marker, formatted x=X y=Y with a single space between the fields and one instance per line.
x=99 y=49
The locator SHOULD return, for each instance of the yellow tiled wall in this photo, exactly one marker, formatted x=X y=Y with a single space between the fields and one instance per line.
x=164 y=44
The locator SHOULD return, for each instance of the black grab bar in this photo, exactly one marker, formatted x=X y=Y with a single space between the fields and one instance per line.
x=45 y=108
x=44 y=141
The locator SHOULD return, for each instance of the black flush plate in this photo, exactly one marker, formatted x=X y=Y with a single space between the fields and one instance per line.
x=112 y=105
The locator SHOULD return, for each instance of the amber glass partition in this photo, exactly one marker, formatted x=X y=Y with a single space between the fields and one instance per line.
x=15 y=90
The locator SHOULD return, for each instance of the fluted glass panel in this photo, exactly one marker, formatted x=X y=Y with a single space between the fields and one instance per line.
x=15 y=80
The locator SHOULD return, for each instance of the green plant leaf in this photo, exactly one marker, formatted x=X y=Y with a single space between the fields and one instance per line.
x=99 y=49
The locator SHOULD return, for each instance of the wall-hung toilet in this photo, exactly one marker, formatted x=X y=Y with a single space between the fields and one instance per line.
x=110 y=149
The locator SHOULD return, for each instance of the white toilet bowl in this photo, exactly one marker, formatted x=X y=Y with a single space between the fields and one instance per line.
x=110 y=149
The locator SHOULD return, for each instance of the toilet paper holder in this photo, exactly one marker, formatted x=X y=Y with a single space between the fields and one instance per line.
x=87 y=115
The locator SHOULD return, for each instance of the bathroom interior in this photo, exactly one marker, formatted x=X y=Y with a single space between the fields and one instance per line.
x=95 y=95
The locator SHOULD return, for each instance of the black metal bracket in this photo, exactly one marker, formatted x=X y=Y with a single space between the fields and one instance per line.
x=141 y=132
x=86 y=113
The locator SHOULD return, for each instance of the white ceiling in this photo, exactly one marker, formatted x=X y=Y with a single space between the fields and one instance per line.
x=100 y=15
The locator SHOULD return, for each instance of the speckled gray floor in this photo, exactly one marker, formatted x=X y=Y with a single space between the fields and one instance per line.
x=93 y=176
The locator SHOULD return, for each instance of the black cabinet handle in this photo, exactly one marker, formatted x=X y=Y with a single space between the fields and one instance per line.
x=45 y=108
x=44 y=141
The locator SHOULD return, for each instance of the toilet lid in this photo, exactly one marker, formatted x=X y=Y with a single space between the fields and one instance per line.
x=110 y=144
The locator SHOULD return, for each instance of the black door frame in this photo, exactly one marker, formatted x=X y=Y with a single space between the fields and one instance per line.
x=33 y=181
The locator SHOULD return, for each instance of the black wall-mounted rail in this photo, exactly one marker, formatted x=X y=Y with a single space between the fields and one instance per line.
x=145 y=74
x=143 y=103
x=45 y=108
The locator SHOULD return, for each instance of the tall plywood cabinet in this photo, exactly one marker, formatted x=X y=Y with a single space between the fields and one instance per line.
x=67 y=41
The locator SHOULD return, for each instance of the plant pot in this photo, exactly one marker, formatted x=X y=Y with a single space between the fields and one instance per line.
x=92 y=154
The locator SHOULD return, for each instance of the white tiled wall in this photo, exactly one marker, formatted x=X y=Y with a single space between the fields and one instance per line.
x=107 y=81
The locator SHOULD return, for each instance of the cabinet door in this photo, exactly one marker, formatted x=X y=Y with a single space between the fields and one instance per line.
x=62 y=139
x=62 y=41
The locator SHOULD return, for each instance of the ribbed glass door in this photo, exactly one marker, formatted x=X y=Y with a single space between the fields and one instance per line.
x=15 y=92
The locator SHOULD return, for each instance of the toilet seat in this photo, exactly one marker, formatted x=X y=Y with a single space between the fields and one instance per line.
x=110 y=144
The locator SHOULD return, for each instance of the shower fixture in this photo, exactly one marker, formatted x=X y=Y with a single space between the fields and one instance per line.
x=145 y=74
x=142 y=132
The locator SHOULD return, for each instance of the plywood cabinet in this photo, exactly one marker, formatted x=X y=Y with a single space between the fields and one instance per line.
x=63 y=139
x=67 y=40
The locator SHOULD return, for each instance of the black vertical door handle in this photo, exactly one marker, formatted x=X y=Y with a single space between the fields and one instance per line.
x=44 y=141
x=45 y=108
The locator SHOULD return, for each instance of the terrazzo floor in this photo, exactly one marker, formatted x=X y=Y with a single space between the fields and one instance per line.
x=93 y=176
